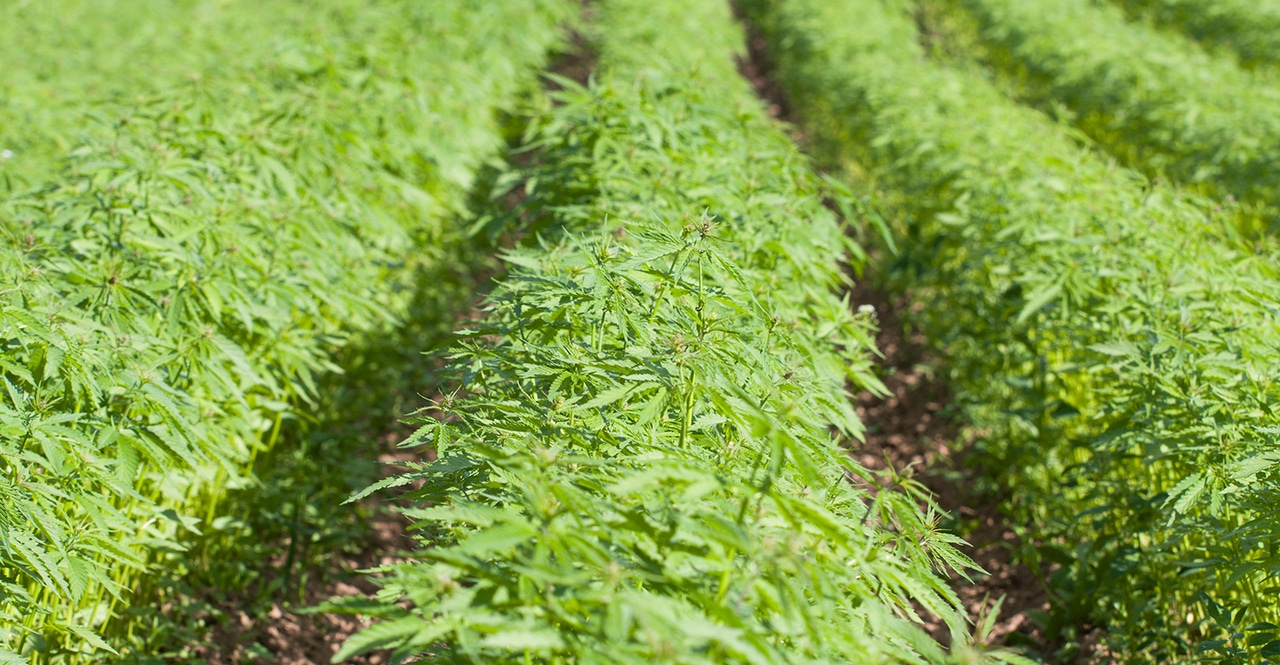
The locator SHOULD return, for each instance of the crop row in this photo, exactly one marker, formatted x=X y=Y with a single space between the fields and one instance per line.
x=638 y=462
x=1113 y=351
x=67 y=59
x=1149 y=96
x=172 y=295
x=1250 y=28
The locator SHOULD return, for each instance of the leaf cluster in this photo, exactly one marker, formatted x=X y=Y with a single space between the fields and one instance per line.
x=174 y=293
x=1114 y=350
x=1153 y=98
x=65 y=60
x=639 y=464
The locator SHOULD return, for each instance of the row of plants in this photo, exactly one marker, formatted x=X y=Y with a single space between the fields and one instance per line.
x=1249 y=28
x=175 y=291
x=1152 y=98
x=1112 y=350
x=62 y=58
x=640 y=458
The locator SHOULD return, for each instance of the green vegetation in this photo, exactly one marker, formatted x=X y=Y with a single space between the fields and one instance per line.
x=67 y=61
x=1150 y=97
x=178 y=285
x=229 y=230
x=1250 y=28
x=1113 y=351
x=637 y=465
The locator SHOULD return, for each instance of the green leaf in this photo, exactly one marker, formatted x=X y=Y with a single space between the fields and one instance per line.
x=382 y=635
x=1186 y=493
x=1247 y=470
x=92 y=639
x=1039 y=298
x=496 y=538
x=524 y=640
x=10 y=658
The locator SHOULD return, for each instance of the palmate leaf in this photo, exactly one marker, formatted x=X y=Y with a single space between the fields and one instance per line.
x=91 y=639
x=389 y=634
x=29 y=550
x=668 y=476
x=1246 y=471
x=384 y=484
x=615 y=394
x=1185 y=494
x=497 y=538
x=1039 y=299
x=657 y=246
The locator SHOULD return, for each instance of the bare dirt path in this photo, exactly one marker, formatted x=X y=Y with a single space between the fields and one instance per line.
x=913 y=430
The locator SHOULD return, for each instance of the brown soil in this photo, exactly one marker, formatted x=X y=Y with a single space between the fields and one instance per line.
x=285 y=637
x=912 y=430
x=578 y=61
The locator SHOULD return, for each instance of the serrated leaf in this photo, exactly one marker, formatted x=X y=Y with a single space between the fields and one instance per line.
x=1038 y=299
x=381 y=635
x=91 y=638
x=491 y=539
x=10 y=658
x=1186 y=493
